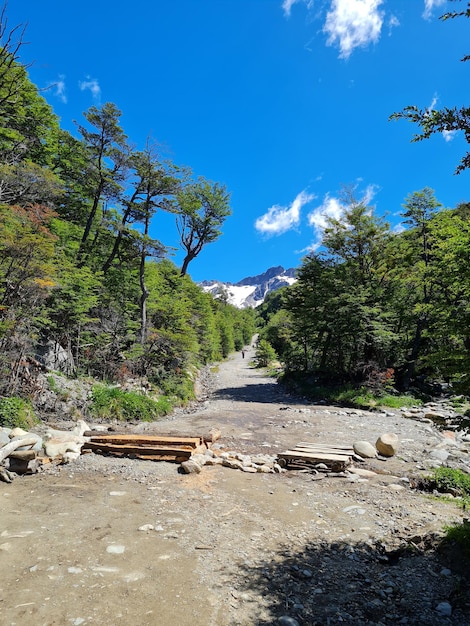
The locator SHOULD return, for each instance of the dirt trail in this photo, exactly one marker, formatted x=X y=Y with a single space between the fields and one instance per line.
x=121 y=541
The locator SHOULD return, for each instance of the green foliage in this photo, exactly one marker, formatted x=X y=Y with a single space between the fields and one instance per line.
x=375 y=301
x=203 y=208
x=264 y=354
x=110 y=403
x=449 y=480
x=459 y=536
x=308 y=386
x=16 y=412
x=448 y=119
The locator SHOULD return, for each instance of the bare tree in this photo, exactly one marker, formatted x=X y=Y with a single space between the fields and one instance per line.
x=11 y=41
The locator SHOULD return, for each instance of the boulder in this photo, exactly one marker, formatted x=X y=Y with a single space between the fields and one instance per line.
x=190 y=467
x=387 y=444
x=18 y=432
x=364 y=449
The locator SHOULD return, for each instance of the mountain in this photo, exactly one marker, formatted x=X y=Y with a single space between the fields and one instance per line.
x=250 y=291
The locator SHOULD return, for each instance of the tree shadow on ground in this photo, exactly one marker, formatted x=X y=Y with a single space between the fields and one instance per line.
x=356 y=583
x=262 y=392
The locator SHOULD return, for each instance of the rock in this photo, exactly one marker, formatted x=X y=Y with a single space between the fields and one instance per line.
x=200 y=459
x=361 y=472
x=440 y=455
x=364 y=449
x=146 y=527
x=232 y=463
x=285 y=620
x=215 y=460
x=4 y=437
x=18 y=432
x=387 y=444
x=444 y=608
x=190 y=467
x=70 y=456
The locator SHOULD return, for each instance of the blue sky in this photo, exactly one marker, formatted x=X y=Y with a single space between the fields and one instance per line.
x=283 y=101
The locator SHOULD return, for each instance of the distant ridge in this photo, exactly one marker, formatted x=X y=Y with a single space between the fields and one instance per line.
x=251 y=291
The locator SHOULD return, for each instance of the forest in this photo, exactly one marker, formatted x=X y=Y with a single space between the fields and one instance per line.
x=84 y=286
x=377 y=307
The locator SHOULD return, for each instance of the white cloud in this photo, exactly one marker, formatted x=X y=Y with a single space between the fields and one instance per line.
x=398 y=228
x=288 y=4
x=432 y=105
x=333 y=208
x=93 y=85
x=352 y=24
x=318 y=218
x=279 y=219
x=449 y=134
x=393 y=22
x=369 y=194
x=429 y=5
x=60 y=89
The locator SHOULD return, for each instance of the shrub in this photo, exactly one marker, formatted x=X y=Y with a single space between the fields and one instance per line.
x=451 y=481
x=459 y=535
x=264 y=354
x=114 y=403
x=16 y=412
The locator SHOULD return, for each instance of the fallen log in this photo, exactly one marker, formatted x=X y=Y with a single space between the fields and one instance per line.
x=8 y=448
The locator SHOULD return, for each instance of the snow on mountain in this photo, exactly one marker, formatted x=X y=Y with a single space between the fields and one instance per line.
x=251 y=291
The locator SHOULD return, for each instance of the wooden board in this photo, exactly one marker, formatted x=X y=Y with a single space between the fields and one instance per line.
x=345 y=453
x=113 y=448
x=150 y=440
x=173 y=458
x=308 y=455
x=316 y=456
x=320 y=446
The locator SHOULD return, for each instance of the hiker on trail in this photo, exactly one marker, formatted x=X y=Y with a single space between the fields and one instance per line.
x=243 y=354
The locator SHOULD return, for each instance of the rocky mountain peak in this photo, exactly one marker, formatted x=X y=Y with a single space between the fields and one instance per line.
x=251 y=291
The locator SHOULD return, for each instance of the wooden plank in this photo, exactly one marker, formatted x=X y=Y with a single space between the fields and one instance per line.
x=113 y=448
x=348 y=452
x=151 y=440
x=158 y=457
x=324 y=445
x=320 y=456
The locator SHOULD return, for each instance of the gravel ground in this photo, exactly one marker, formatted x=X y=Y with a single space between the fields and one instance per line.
x=122 y=541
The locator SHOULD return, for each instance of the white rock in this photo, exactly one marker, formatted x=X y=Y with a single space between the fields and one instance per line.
x=364 y=449
x=439 y=455
x=115 y=549
x=190 y=467
x=18 y=432
x=361 y=472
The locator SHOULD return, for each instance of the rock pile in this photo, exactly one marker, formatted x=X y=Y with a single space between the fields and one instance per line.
x=260 y=463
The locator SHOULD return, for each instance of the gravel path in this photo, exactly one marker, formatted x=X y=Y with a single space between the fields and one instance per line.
x=121 y=541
